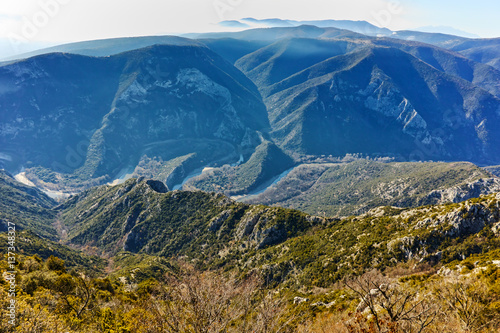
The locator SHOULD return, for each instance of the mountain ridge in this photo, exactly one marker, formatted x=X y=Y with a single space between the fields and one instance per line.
x=120 y=109
x=436 y=92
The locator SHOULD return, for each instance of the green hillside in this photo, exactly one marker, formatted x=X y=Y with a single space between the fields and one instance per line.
x=136 y=217
x=267 y=161
x=285 y=245
x=300 y=178
x=26 y=207
x=344 y=189
x=186 y=251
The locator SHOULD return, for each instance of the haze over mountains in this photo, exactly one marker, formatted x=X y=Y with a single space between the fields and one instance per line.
x=106 y=107
x=266 y=168
x=95 y=116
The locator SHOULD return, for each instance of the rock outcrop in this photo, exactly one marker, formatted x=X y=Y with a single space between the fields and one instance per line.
x=463 y=192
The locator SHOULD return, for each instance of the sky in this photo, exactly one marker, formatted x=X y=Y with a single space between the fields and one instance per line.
x=32 y=23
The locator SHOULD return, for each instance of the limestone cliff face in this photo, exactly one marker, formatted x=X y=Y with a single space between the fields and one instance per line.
x=381 y=101
x=97 y=116
x=141 y=215
x=432 y=224
x=258 y=228
x=468 y=219
x=463 y=192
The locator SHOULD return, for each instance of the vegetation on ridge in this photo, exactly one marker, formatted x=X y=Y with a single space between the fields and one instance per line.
x=344 y=189
x=256 y=268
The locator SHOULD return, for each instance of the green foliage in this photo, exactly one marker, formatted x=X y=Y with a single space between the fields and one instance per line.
x=137 y=268
x=267 y=161
x=216 y=232
x=172 y=161
x=175 y=223
x=64 y=182
x=26 y=207
x=165 y=171
x=287 y=249
x=29 y=244
x=344 y=189
x=55 y=264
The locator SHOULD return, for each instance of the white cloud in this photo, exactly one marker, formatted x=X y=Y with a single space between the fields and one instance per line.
x=75 y=20
x=90 y=19
x=17 y=7
x=309 y=10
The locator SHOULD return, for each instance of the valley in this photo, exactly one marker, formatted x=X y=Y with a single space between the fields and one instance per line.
x=295 y=176
x=136 y=233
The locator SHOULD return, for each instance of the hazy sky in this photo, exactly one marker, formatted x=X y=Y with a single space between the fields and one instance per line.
x=75 y=20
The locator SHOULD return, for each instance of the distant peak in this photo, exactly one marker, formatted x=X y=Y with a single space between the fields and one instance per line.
x=447 y=31
x=362 y=27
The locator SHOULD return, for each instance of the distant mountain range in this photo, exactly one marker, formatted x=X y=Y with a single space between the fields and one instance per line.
x=93 y=117
x=362 y=27
x=167 y=107
x=485 y=50
x=12 y=48
x=478 y=49
x=107 y=47
x=446 y=30
x=214 y=172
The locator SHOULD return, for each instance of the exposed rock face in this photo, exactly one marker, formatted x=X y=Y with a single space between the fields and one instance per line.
x=496 y=229
x=464 y=192
x=327 y=305
x=298 y=300
x=381 y=96
x=217 y=221
x=247 y=223
x=268 y=236
x=260 y=228
x=494 y=170
x=469 y=217
x=405 y=244
x=96 y=116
